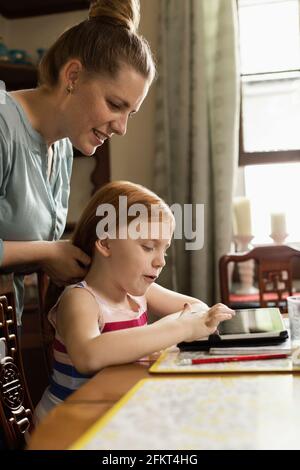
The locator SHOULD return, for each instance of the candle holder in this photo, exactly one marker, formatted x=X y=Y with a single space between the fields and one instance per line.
x=279 y=238
x=242 y=242
x=246 y=268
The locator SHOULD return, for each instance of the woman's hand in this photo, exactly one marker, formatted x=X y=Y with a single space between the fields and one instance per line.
x=65 y=263
x=204 y=323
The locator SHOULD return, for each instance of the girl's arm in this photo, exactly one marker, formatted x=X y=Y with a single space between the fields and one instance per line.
x=90 y=351
x=162 y=301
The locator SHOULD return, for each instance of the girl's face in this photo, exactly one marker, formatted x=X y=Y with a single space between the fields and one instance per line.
x=136 y=264
x=100 y=107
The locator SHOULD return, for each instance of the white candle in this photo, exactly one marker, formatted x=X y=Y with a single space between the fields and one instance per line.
x=242 y=215
x=278 y=223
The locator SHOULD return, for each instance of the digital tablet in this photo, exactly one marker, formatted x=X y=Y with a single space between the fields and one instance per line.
x=249 y=327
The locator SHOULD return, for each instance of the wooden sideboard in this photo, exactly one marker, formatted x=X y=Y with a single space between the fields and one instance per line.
x=15 y=9
x=18 y=76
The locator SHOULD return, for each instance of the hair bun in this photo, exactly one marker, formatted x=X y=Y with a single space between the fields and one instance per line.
x=125 y=13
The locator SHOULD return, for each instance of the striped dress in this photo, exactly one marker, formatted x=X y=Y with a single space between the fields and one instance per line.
x=65 y=378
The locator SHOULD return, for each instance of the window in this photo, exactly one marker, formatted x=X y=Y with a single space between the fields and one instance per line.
x=274 y=188
x=270 y=112
x=270 y=80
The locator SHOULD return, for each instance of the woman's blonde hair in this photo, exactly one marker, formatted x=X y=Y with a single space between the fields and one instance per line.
x=85 y=234
x=103 y=42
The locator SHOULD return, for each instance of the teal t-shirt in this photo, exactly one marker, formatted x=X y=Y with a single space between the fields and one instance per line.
x=32 y=207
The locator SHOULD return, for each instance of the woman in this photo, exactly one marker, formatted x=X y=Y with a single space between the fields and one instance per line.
x=91 y=80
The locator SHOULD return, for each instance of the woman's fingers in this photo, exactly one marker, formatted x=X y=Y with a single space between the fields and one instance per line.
x=82 y=257
x=66 y=263
x=64 y=273
x=78 y=271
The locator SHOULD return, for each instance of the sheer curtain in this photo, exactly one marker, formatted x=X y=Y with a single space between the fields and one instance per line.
x=197 y=131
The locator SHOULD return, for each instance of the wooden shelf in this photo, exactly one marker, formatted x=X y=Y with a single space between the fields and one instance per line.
x=38 y=7
x=18 y=76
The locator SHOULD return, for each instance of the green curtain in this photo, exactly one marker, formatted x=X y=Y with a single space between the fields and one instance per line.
x=197 y=117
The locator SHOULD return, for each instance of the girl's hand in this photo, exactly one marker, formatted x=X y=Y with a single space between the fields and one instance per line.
x=205 y=323
x=65 y=263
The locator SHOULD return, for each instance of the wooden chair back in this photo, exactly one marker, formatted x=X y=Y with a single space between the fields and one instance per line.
x=47 y=331
x=274 y=270
x=16 y=408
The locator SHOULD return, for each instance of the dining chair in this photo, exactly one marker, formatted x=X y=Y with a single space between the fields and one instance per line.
x=16 y=409
x=274 y=271
x=44 y=286
x=17 y=402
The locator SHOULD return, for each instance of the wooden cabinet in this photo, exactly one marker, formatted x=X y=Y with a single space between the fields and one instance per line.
x=18 y=76
x=17 y=9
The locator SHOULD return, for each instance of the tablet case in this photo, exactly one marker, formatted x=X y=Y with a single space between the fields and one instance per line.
x=244 y=339
x=215 y=341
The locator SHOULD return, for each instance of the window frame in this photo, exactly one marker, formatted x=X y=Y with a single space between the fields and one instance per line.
x=268 y=157
x=261 y=158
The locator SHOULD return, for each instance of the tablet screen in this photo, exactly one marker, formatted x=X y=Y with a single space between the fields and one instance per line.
x=253 y=321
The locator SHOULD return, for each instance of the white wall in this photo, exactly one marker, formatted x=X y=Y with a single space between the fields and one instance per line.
x=4 y=28
x=132 y=155
x=40 y=31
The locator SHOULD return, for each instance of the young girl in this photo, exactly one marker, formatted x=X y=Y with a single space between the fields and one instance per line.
x=102 y=320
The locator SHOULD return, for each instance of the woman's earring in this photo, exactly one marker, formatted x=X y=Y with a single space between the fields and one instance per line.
x=70 y=89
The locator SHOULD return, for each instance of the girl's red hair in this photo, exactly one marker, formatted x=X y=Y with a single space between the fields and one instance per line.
x=85 y=234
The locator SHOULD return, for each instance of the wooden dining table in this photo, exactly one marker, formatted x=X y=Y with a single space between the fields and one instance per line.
x=66 y=423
